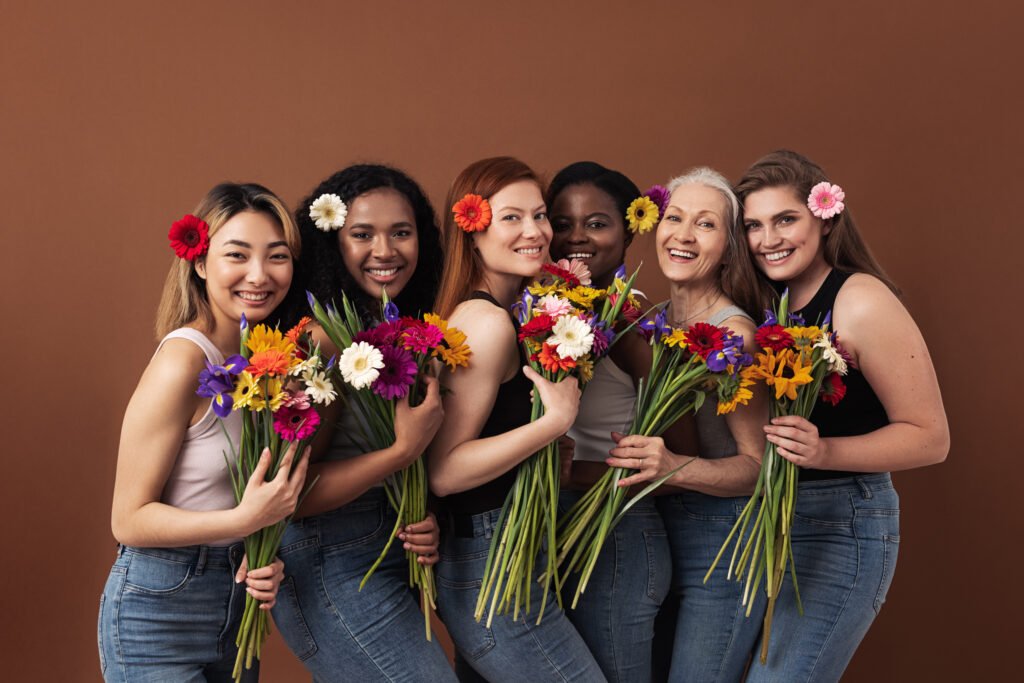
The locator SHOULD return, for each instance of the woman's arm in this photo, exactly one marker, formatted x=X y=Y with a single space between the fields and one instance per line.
x=154 y=427
x=458 y=459
x=888 y=347
x=733 y=475
x=342 y=481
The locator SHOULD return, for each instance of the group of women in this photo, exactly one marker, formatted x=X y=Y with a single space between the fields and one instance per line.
x=174 y=596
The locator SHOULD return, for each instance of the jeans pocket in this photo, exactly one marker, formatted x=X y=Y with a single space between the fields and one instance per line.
x=352 y=525
x=156 y=575
x=834 y=510
x=291 y=622
x=659 y=564
x=99 y=635
x=890 y=551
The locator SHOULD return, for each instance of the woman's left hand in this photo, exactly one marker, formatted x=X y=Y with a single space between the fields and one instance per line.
x=422 y=538
x=797 y=440
x=262 y=583
x=646 y=454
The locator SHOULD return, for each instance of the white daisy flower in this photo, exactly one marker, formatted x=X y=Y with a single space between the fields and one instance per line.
x=571 y=337
x=360 y=364
x=831 y=355
x=305 y=368
x=328 y=212
x=320 y=388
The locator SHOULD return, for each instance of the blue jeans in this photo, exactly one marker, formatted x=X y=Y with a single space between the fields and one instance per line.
x=845 y=543
x=615 y=615
x=713 y=637
x=341 y=633
x=172 y=614
x=513 y=651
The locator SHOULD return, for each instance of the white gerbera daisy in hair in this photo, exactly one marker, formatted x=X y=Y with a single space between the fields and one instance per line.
x=360 y=364
x=320 y=389
x=328 y=212
x=571 y=337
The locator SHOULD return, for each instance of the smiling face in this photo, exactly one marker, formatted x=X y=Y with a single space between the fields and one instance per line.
x=516 y=242
x=247 y=269
x=379 y=243
x=587 y=225
x=785 y=239
x=692 y=236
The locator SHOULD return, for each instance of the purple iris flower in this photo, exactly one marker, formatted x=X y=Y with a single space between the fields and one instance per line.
x=769 y=318
x=311 y=299
x=796 y=319
x=621 y=272
x=828 y=319
x=391 y=313
x=217 y=382
x=657 y=327
x=243 y=324
x=717 y=361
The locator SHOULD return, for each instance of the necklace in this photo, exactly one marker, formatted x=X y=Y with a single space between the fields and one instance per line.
x=679 y=322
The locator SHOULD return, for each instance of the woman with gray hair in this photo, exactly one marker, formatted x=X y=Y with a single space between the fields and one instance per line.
x=711 y=281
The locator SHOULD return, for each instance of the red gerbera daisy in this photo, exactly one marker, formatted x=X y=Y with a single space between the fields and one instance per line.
x=703 y=339
x=537 y=326
x=569 y=277
x=472 y=213
x=832 y=389
x=190 y=237
x=773 y=337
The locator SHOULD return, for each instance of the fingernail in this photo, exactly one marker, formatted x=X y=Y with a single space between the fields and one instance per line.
x=406 y=546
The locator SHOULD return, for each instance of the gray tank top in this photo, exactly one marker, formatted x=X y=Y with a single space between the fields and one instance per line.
x=715 y=438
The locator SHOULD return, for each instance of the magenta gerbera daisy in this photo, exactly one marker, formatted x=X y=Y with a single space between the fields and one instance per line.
x=397 y=375
x=295 y=424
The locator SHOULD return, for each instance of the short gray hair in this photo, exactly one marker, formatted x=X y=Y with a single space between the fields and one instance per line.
x=702 y=175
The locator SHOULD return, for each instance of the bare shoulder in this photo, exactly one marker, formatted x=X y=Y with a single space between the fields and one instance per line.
x=864 y=298
x=489 y=333
x=176 y=361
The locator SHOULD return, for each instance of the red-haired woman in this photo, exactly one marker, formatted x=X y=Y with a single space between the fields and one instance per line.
x=487 y=430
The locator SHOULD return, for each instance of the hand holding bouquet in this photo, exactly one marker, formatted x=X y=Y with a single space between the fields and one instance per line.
x=798 y=363
x=273 y=382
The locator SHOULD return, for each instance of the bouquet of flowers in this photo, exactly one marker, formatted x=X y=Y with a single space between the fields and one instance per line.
x=379 y=366
x=272 y=382
x=800 y=363
x=685 y=365
x=565 y=326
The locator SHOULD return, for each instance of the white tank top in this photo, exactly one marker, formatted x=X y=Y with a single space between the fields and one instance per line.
x=606 y=406
x=199 y=479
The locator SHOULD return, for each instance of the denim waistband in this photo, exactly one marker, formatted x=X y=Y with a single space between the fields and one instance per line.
x=864 y=483
x=199 y=556
x=473 y=526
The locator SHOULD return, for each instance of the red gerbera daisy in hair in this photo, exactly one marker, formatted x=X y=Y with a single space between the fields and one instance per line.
x=538 y=325
x=773 y=337
x=550 y=361
x=190 y=237
x=569 y=277
x=703 y=339
x=832 y=389
x=472 y=213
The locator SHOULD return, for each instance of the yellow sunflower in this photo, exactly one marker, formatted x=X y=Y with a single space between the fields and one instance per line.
x=642 y=215
x=584 y=296
x=734 y=391
x=804 y=338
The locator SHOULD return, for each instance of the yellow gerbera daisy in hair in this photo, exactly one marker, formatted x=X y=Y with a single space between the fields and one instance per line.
x=246 y=393
x=642 y=215
x=676 y=338
x=262 y=338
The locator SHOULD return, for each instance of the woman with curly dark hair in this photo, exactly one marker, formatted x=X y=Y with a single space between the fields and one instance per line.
x=367 y=229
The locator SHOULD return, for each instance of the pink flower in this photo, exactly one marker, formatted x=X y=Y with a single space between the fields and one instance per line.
x=397 y=375
x=299 y=401
x=826 y=200
x=294 y=424
x=577 y=268
x=422 y=338
x=553 y=305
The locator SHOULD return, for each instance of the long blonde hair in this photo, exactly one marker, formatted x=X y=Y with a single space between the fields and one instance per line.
x=184 y=297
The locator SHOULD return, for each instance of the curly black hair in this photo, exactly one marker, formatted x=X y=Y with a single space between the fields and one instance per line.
x=321 y=270
x=616 y=185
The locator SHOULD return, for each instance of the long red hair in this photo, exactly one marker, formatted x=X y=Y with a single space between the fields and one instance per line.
x=463 y=270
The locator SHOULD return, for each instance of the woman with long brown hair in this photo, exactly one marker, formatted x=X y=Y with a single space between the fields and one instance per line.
x=499 y=242
x=845 y=536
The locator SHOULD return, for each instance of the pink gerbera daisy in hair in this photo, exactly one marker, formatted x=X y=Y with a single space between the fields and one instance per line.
x=826 y=200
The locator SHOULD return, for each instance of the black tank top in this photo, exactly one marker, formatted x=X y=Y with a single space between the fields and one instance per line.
x=512 y=408
x=860 y=411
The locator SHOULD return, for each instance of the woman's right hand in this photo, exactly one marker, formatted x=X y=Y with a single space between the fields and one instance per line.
x=268 y=502
x=561 y=399
x=415 y=427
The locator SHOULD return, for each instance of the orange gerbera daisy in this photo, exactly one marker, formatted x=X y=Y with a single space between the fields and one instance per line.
x=472 y=213
x=300 y=327
x=270 y=362
x=784 y=371
x=454 y=352
x=550 y=360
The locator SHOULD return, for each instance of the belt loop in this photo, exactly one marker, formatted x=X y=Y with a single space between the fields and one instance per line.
x=201 y=560
x=865 y=490
x=120 y=549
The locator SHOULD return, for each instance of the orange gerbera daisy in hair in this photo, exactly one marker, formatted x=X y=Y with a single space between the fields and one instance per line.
x=472 y=213
x=549 y=359
x=300 y=327
x=270 y=362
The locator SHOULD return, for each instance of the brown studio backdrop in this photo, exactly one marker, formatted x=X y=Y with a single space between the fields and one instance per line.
x=117 y=117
